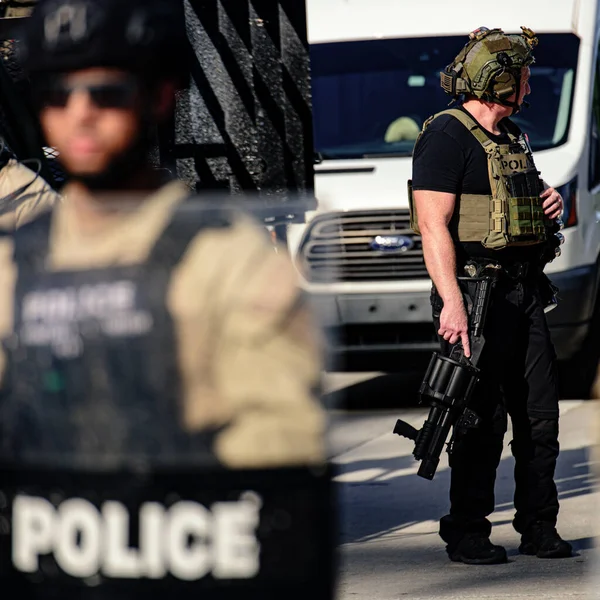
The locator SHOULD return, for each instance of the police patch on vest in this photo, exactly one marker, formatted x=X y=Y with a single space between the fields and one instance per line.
x=267 y=532
x=516 y=163
x=60 y=317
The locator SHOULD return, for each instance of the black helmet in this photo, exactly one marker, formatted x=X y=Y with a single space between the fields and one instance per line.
x=146 y=37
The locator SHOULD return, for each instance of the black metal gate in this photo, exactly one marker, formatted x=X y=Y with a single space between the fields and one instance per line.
x=19 y=128
x=245 y=123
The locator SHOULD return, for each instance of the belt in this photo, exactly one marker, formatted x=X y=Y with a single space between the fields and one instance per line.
x=517 y=271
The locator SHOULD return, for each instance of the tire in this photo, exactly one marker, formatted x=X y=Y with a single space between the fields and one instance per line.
x=577 y=375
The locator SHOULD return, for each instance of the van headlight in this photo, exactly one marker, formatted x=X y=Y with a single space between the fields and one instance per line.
x=568 y=191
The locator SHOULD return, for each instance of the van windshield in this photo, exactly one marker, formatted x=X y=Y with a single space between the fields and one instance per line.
x=371 y=98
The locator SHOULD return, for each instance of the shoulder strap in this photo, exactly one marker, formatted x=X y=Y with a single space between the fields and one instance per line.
x=32 y=241
x=187 y=221
x=473 y=126
x=513 y=130
x=468 y=121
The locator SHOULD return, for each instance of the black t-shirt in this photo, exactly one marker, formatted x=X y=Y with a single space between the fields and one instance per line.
x=449 y=159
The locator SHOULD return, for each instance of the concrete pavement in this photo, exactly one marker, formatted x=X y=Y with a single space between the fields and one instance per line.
x=389 y=543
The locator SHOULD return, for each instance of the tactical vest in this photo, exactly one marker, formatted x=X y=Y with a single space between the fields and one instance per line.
x=99 y=346
x=513 y=215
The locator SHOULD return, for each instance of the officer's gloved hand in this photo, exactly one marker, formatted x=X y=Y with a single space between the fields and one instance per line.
x=555 y=239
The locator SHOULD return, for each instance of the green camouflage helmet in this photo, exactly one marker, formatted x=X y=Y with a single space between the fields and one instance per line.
x=489 y=66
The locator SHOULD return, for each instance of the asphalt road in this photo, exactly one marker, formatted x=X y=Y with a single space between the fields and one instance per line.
x=389 y=547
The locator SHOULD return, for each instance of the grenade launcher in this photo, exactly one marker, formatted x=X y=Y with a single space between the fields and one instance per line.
x=449 y=381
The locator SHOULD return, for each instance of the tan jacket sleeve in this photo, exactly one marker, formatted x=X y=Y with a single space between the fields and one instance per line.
x=260 y=374
x=595 y=392
x=16 y=211
x=19 y=8
x=8 y=276
x=268 y=367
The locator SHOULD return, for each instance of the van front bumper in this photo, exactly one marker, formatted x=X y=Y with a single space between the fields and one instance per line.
x=362 y=323
x=402 y=322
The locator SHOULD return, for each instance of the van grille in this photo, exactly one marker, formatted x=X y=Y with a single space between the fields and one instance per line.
x=339 y=247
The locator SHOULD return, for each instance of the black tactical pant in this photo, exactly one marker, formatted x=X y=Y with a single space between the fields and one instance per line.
x=518 y=378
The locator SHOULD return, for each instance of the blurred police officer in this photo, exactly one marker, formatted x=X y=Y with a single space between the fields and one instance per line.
x=161 y=433
x=479 y=201
x=193 y=315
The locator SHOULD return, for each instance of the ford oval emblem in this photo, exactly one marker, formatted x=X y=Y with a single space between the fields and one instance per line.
x=392 y=243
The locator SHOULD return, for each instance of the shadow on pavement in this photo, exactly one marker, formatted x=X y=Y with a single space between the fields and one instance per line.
x=385 y=362
x=395 y=390
x=566 y=575
x=395 y=386
x=521 y=577
x=393 y=499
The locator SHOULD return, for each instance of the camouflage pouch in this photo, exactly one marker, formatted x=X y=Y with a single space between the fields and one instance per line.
x=414 y=223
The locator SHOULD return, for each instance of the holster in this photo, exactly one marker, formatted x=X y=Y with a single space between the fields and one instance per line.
x=548 y=292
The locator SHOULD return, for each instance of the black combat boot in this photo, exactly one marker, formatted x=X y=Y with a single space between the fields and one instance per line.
x=543 y=541
x=476 y=549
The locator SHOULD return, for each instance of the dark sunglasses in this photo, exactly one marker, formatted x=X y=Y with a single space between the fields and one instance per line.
x=122 y=94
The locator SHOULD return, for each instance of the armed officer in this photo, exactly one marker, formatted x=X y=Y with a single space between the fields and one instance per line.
x=478 y=200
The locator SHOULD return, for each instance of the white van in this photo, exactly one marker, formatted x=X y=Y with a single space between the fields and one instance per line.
x=376 y=67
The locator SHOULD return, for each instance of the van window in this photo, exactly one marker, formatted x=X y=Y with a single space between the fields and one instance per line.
x=595 y=129
x=371 y=98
